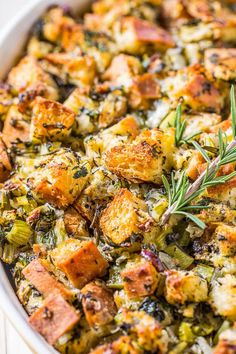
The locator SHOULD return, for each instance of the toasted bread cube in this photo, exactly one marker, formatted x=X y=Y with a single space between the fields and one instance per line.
x=123 y=344
x=221 y=62
x=183 y=286
x=144 y=88
x=29 y=75
x=227 y=342
x=112 y=108
x=226 y=239
x=5 y=98
x=60 y=178
x=133 y=34
x=124 y=131
x=225 y=192
x=122 y=70
x=51 y=120
x=140 y=279
x=54 y=318
x=145 y=159
x=200 y=9
x=223 y=296
x=80 y=261
x=16 y=126
x=72 y=37
x=125 y=216
x=54 y=22
x=196 y=90
x=201 y=122
x=75 y=224
x=37 y=274
x=78 y=70
x=145 y=329
x=5 y=163
x=98 y=304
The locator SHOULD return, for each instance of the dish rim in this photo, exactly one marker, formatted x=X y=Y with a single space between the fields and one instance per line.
x=9 y=52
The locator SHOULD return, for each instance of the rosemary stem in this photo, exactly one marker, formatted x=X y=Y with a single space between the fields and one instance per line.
x=196 y=185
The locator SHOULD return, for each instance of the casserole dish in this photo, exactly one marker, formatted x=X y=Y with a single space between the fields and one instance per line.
x=16 y=32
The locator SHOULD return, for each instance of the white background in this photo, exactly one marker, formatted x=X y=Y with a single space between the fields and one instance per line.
x=10 y=341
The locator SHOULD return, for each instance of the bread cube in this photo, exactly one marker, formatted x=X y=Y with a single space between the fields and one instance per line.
x=78 y=70
x=221 y=62
x=123 y=344
x=133 y=35
x=226 y=239
x=184 y=286
x=29 y=75
x=196 y=90
x=51 y=120
x=98 y=304
x=39 y=276
x=16 y=126
x=223 y=296
x=140 y=279
x=144 y=89
x=54 y=318
x=75 y=224
x=81 y=261
x=145 y=159
x=5 y=163
x=60 y=178
x=125 y=217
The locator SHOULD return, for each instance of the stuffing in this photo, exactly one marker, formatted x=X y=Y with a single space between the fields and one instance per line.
x=124 y=217
x=98 y=304
x=5 y=163
x=134 y=35
x=51 y=120
x=75 y=69
x=196 y=90
x=28 y=75
x=221 y=63
x=16 y=126
x=145 y=159
x=81 y=261
x=140 y=279
x=223 y=296
x=185 y=286
x=60 y=178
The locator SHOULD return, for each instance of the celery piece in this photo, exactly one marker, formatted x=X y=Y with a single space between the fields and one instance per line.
x=20 y=233
x=204 y=271
x=185 y=332
x=8 y=254
x=183 y=259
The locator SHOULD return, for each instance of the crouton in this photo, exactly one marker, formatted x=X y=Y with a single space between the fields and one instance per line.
x=226 y=239
x=196 y=90
x=202 y=122
x=75 y=224
x=140 y=279
x=144 y=330
x=133 y=35
x=112 y=108
x=145 y=159
x=225 y=192
x=16 y=126
x=221 y=62
x=122 y=70
x=78 y=70
x=184 y=286
x=80 y=261
x=200 y=9
x=227 y=342
x=51 y=120
x=223 y=296
x=124 y=131
x=54 y=318
x=98 y=304
x=125 y=217
x=72 y=36
x=29 y=75
x=123 y=344
x=37 y=274
x=60 y=178
x=144 y=88
x=5 y=163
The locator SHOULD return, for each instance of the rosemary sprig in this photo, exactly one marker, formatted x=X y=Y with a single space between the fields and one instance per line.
x=182 y=193
x=180 y=126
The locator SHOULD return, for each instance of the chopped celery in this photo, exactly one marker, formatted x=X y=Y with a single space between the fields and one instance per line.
x=204 y=271
x=8 y=254
x=225 y=325
x=179 y=348
x=20 y=233
x=185 y=332
x=60 y=231
x=3 y=200
x=183 y=259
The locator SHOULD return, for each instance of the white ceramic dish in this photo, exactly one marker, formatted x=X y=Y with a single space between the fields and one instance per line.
x=12 y=39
